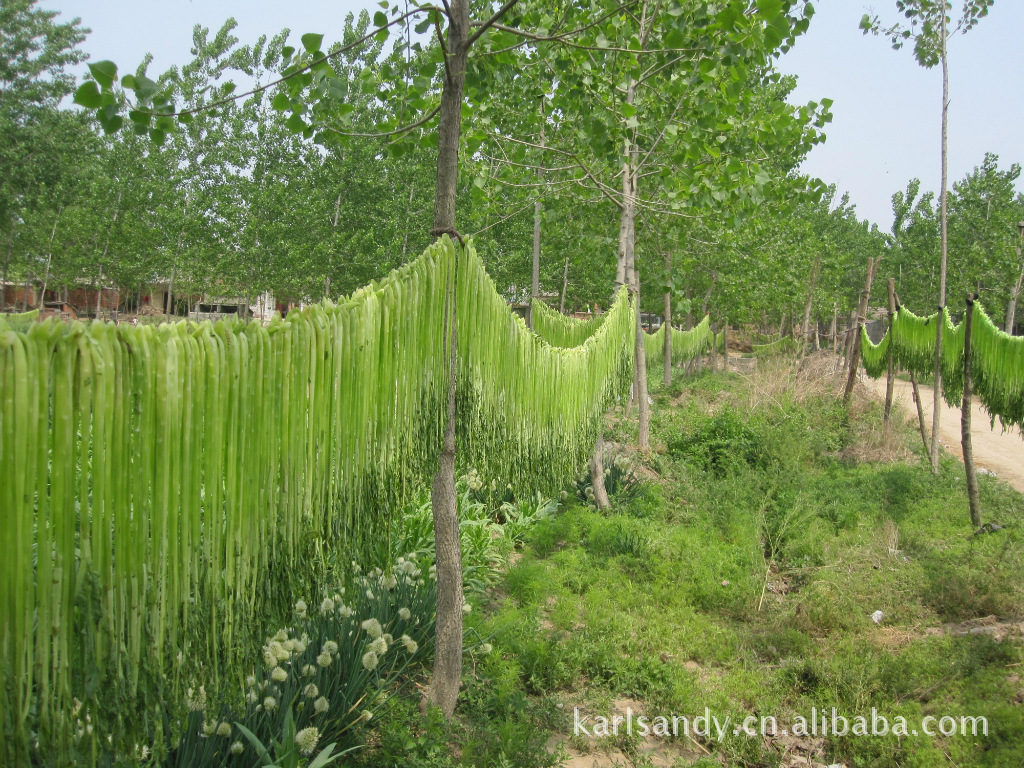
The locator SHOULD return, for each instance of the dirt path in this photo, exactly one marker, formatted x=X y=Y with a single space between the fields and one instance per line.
x=997 y=451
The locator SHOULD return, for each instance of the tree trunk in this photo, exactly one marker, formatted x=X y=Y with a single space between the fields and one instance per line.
x=725 y=345
x=1011 y=306
x=834 y=333
x=807 y=310
x=447 y=675
x=644 y=417
x=861 y=316
x=714 y=352
x=565 y=286
x=535 y=283
x=99 y=293
x=7 y=264
x=597 y=475
x=973 y=499
x=890 y=381
x=49 y=257
x=936 y=408
x=667 y=323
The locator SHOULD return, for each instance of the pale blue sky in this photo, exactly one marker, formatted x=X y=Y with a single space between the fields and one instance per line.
x=886 y=126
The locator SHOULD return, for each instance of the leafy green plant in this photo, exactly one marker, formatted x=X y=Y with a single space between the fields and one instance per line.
x=293 y=748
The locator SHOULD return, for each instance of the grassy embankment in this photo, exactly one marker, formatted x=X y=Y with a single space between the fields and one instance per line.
x=739 y=571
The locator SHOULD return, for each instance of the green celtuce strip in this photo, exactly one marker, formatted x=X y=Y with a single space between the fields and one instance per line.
x=997 y=360
x=164 y=486
x=531 y=411
x=558 y=330
x=784 y=346
x=686 y=345
x=874 y=356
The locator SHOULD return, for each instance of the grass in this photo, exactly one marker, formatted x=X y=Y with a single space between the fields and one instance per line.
x=742 y=577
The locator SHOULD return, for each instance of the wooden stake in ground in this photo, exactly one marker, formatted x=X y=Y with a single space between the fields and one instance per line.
x=973 y=499
x=890 y=382
x=920 y=412
x=861 y=317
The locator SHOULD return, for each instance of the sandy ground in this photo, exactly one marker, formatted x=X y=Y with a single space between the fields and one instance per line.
x=997 y=451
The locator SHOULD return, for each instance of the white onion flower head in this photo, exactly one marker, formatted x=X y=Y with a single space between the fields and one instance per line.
x=410 y=645
x=237 y=748
x=224 y=729
x=486 y=648
x=301 y=608
x=466 y=608
x=324 y=659
x=209 y=727
x=311 y=691
x=298 y=646
x=321 y=705
x=379 y=646
x=270 y=703
x=345 y=612
x=279 y=675
x=306 y=740
x=370 y=660
x=280 y=636
x=404 y=614
x=327 y=606
x=196 y=702
x=373 y=628
x=369 y=594
x=250 y=681
x=252 y=697
x=269 y=658
x=367 y=715
x=308 y=671
x=331 y=647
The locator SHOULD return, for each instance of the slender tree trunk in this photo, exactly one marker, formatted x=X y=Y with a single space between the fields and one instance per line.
x=597 y=475
x=408 y=220
x=1011 y=306
x=667 y=324
x=920 y=412
x=714 y=352
x=640 y=352
x=565 y=286
x=807 y=310
x=973 y=498
x=444 y=686
x=890 y=381
x=49 y=256
x=861 y=316
x=936 y=408
x=99 y=292
x=535 y=283
x=725 y=345
x=834 y=333
x=7 y=264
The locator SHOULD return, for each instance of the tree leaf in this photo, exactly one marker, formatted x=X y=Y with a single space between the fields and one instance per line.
x=311 y=42
x=88 y=95
x=105 y=73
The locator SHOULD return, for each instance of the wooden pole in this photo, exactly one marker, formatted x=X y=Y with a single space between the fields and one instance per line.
x=890 y=381
x=920 y=413
x=973 y=498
